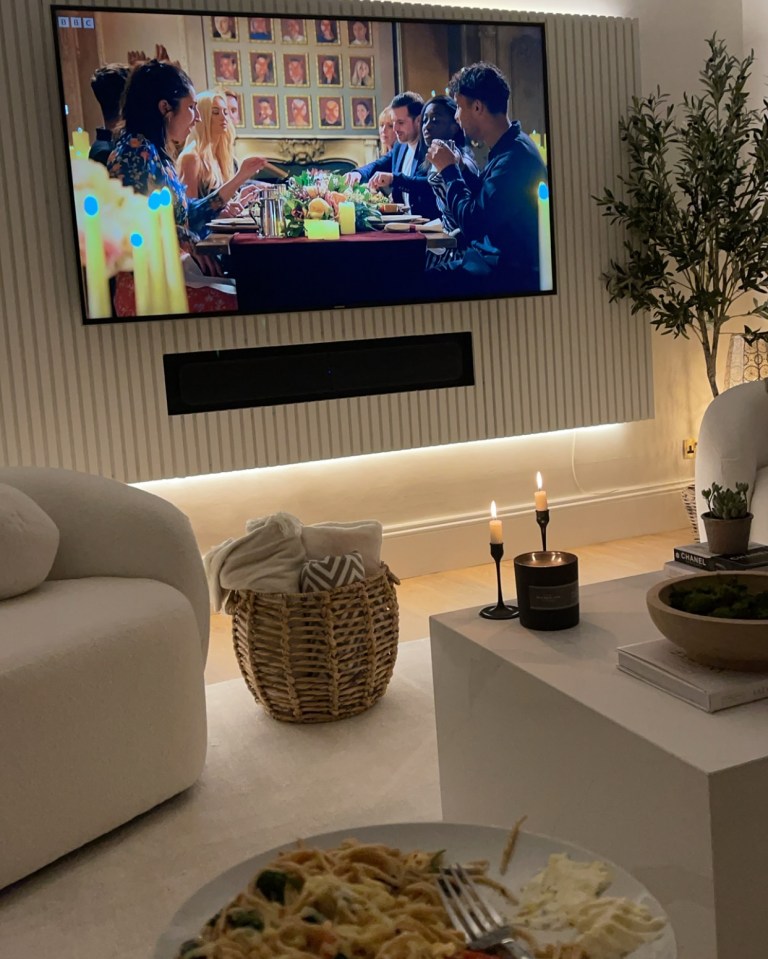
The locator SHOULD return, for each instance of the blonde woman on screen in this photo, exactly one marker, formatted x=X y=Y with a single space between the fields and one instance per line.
x=208 y=158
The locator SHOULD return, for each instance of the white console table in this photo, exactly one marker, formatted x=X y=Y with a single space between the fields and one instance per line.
x=544 y=724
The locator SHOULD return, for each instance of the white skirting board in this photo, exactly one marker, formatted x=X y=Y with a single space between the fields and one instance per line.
x=417 y=549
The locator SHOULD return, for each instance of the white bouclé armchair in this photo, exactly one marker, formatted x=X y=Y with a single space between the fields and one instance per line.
x=102 y=702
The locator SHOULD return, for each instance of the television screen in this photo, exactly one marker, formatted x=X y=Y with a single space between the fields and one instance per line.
x=272 y=163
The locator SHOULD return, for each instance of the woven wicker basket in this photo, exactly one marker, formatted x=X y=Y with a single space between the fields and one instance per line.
x=316 y=657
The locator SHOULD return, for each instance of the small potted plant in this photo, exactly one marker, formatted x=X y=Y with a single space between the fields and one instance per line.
x=727 y=522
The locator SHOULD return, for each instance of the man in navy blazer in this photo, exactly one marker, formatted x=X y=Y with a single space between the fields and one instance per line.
x=402 y=168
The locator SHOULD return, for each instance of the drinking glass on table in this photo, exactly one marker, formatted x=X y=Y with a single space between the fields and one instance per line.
x=244 y=197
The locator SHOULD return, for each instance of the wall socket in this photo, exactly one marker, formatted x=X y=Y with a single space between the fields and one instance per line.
x=689 y=448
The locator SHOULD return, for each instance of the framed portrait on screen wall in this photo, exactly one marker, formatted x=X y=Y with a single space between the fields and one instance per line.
x=262 y=68
x=363 y=113
x=260 y=28
x=226 y=67
x=361 y=72
x=224 y=28
x=331 y=111
x=295 y=70
x=264 y=108
x=328 y=70
x=293 y=30
x=298 y=112
x=327 y=31
x=359 y=33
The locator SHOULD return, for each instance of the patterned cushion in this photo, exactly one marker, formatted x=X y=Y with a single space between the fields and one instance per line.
x=331 y=571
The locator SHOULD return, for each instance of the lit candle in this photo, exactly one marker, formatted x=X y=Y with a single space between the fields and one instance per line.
x=321 y=229
x=80 y=142
x=177 y=290
x=155 y=257
x=347 y=217
x=141 y=284
x=545 y=239
x=96 y=279
x=540 y=496
x=495 y=524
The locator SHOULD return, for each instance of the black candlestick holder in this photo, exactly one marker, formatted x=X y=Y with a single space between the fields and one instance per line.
x=500 y=610
x=542 y=518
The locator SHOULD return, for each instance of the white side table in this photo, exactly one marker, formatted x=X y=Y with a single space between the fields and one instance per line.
x=544 y=724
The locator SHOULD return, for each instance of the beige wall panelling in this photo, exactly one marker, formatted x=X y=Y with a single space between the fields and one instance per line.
x=93 y=398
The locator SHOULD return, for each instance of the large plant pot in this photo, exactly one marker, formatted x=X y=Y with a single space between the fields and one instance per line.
x=727 y=536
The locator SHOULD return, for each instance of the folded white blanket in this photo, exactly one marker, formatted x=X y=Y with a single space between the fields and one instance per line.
x=336 y=539
x=268 y=559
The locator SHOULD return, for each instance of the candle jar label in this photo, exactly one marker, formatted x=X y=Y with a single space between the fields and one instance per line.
x=553 y=597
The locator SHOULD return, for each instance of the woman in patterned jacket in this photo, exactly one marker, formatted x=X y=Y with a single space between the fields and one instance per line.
x=159 y=110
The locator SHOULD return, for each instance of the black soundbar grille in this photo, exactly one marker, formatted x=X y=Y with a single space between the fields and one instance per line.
x=201 y=382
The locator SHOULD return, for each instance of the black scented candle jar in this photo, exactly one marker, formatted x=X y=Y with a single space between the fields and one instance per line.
x=547 y=589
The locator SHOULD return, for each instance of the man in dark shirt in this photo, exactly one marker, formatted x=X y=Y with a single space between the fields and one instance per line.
x=107 y=83
x=498 y=211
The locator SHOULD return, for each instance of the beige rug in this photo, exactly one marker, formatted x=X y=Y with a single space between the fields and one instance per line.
x=265 y=784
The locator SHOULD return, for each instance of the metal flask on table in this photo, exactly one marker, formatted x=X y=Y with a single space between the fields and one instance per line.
x=269 y=212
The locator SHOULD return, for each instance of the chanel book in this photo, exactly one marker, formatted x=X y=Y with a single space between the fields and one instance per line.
x=697 y=554
x=665 y=666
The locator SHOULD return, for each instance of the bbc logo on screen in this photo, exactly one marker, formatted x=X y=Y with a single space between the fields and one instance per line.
x=79 y=23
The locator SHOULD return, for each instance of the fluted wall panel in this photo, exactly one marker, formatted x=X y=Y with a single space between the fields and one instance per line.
x=93 y=397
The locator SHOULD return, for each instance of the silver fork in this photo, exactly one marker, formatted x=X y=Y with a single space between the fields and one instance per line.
x=477 y=919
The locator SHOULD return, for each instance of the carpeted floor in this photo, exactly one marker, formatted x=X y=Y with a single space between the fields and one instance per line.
x=265 y=783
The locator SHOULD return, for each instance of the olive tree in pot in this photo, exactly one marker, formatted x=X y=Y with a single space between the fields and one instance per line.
x=728 y=521
x=694 y=205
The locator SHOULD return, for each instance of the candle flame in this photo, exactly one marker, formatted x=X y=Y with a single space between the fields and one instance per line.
x=539 y=482
x=493 y=509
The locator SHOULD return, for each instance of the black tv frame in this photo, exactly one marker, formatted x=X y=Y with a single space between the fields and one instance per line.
x=375 y=302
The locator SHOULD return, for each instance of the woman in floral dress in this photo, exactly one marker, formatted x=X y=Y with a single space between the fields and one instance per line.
x=159 y=110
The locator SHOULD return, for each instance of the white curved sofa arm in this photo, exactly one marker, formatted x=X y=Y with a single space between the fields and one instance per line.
x=110 y=529
x=733 y=440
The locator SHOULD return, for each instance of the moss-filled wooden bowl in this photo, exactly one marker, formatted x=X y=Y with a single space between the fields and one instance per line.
x=725 y=639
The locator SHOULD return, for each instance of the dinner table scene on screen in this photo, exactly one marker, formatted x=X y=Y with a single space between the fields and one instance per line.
x=223 y=156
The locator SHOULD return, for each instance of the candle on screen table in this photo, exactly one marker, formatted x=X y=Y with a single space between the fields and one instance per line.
x=540 y=496
x=321 y=229
x=497 y=535
x=96 y=278
x=141 y=284
x=80 y=142
x=346 y=217
x=155 y=256
x=545 y=238
x=174 y=274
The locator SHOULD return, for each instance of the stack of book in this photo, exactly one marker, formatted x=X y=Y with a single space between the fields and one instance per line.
x=666 y=667
x=695 y=557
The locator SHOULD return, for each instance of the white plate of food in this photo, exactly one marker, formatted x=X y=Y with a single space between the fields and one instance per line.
x=236 y=223
x=399 y=218
x=314 y=884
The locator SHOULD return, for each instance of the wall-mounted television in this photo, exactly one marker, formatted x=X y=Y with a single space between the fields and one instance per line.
x=233 y=164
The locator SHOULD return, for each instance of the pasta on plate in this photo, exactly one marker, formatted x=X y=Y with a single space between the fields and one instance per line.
x=372 y=901
x=366 y=901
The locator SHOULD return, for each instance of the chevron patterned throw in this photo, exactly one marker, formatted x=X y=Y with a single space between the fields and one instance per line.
x=332 y=571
